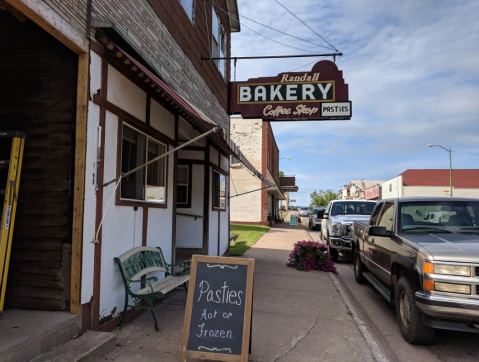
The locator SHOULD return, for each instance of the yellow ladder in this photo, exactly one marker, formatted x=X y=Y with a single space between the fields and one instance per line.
x=10 y=204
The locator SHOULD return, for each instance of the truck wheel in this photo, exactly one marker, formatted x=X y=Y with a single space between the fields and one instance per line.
x=333 y=252
x=359 y=268
x=409 y=316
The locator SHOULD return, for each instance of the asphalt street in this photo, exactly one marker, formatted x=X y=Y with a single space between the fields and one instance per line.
x=380 y=320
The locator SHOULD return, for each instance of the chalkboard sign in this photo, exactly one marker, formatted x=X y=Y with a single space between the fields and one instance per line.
x=293 y=220
x=218 y=310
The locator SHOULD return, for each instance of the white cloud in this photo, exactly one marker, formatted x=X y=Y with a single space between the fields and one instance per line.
x=413 y=79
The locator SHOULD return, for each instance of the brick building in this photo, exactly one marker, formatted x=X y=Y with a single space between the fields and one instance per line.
x=251 y=201
x=100 y=87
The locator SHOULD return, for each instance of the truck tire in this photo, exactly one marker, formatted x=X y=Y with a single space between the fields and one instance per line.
x=359 y=268
x=333 y=252
x=409 y=316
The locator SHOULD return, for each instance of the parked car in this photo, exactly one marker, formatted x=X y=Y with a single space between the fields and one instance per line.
x=304 y=211
x=338 y=220
x=428 y=269
x=316 y=217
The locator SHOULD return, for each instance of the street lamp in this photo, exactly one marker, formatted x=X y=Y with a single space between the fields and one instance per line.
x=289 y=158
x=450 y=163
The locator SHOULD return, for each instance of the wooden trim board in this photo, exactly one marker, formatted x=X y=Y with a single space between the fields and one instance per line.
x=247 y=320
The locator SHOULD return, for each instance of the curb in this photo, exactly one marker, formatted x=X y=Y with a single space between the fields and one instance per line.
x=362 y=327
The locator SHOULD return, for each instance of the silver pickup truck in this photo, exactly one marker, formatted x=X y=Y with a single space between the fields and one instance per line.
x=316 y=217
x=427 y=267
x=337 y=223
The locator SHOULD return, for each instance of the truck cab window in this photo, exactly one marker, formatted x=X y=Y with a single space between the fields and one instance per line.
x=387 y=216
x=374 y=217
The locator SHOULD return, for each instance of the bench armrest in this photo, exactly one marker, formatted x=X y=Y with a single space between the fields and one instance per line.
x=146 y=281
x=184 y=264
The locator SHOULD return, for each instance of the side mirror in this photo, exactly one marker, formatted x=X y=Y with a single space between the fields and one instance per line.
x=380 y=231
x=325 y=215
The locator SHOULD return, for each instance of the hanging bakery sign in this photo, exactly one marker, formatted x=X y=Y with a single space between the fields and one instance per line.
x=317 y=95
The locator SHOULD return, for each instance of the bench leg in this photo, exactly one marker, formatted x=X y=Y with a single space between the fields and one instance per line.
x=150 y=304
x=124 y=310
x=186 y=288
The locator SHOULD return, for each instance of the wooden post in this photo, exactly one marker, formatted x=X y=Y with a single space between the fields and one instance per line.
x=79 y=182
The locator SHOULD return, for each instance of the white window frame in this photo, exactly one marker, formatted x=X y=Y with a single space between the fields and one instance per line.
x=187 y=185
x=145 y=169
x=218 y=42
x=214 y=190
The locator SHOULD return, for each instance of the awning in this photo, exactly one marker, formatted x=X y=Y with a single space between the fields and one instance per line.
x=190 y=113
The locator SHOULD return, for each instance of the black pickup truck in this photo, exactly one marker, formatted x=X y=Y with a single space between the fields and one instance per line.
x=428 y=267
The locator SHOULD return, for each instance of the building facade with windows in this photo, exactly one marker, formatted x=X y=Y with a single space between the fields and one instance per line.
x=100 y=88
x=251 y=201
x=356 y=189
x=433 y=182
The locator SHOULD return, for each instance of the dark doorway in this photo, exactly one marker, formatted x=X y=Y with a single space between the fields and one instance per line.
x=38 y=81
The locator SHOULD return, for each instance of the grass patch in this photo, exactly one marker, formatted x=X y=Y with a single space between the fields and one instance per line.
x=248 y=236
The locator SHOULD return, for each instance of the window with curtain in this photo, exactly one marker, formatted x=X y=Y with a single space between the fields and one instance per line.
x=148 y=183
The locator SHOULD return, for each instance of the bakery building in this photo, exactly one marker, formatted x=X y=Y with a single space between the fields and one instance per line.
x=100 y=88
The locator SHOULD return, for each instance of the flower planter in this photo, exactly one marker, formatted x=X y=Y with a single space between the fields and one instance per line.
x=311 y=255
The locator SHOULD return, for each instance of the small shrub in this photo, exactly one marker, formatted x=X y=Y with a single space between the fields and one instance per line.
x=309 y=255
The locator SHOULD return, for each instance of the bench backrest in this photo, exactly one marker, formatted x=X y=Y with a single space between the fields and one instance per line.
x=141 y=261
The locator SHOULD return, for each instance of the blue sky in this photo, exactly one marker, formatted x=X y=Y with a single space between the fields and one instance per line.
x=413 y=74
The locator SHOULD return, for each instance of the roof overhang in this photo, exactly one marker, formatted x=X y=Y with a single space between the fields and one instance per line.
x=232 y=6
x=276 y=191
x=188 y=112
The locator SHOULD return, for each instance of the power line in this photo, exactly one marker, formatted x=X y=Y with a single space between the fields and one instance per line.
x=306 y=25
x=317 y=60
x=289 y=46
x=266 y=26
x=274 y=56
x=264 y=36
x=281 y=32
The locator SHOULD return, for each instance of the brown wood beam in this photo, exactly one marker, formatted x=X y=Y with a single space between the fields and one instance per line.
x=79 y=181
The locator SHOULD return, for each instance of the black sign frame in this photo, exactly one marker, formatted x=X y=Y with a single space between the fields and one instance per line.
x=219 y=264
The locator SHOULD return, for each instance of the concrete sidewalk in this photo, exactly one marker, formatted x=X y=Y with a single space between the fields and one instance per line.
x=297 y=316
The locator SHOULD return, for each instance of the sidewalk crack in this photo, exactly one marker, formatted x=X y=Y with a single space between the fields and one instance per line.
x=298 y=340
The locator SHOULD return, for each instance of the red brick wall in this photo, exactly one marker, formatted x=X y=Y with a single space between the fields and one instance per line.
x=195 y=39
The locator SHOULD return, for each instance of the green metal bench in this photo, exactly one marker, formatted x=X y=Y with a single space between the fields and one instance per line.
x=136 y=264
